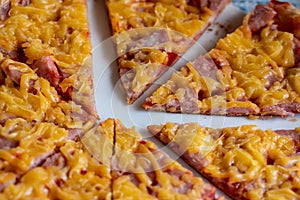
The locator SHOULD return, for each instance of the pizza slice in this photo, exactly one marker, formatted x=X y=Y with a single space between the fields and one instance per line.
x=151 y=35
x=49 y=40
x=245 y=162
x=45 y=66
x=141 y=171
x=73 y=170
x=252 y=71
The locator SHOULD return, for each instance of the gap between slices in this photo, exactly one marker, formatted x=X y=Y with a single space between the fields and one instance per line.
x=151 y=35
x=252 y=71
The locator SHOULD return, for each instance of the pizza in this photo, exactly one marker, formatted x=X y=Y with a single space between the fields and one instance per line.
x=109 y=162
x=252 y=71
x=46 y=94
x=245 y=162
x=45 y=164
x=46 y=79
x=151 y=35
x=45 y=48
x=141 y=171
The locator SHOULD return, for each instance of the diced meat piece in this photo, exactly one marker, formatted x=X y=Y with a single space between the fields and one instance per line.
x=188 y=102
x=290 y=133
x=75 y=134
x=262 y=15
x=40 y=160
x=5 y=185
x=240 y=111
x=24 y=2
x=154 y=39
x=205 y=66
x=173 y=105
x=11 y=54
x=56 y=159
x=47 y=69
x=2 y=78
x=297 y=50
x=283 y=110
x=4 y=9
x=213 y=5
x=2 y=187
x=288 y=17
x=7 y=143
x=14 y=74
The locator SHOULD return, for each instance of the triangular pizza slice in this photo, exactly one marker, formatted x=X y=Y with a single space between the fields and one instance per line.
x=245 y=162
x=151 y=35
x=252 y=71
x=142 y=171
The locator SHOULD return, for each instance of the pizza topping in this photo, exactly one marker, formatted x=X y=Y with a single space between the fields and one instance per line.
x=288 y=17
x=5 y=6
x=297 y=50
x=290 y=133
x=46 y=68
x=7 y=143
x=57 y=159
x=24 y=2
x=152 y=40
x=261 y=17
